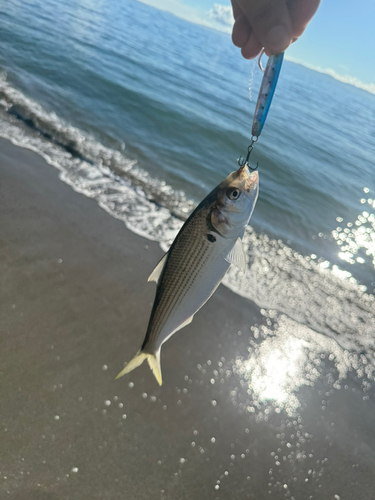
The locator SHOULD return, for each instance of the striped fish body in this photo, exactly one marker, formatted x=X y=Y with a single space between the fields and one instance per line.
x=196 y=263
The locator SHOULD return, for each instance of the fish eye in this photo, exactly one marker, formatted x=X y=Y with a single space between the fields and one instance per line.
x=233 y=193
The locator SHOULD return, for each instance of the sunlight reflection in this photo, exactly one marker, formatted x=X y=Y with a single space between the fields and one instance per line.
x=285 y=357
x=358 y=237
x=276 y=371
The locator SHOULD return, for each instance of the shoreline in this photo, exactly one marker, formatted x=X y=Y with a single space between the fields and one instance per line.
x=75 y=306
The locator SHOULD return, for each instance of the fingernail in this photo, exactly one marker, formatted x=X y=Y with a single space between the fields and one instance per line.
x=277 y=39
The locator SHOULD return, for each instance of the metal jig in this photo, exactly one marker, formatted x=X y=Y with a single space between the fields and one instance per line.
x=266 y=92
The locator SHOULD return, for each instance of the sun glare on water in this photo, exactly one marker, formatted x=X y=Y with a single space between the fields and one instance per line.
x=357 y=239
x=276 y=371
x=285 y=357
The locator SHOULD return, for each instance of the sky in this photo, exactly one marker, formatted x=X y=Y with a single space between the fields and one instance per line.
x=340 y=40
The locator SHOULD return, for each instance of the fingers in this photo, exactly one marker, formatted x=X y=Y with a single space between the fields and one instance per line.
x=252 y=47
x=301 y=13
x=236 y=9
x=271 y=23
x=241 y=31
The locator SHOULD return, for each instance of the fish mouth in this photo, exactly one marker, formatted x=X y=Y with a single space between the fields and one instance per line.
x=250 y=178
x=244 y=171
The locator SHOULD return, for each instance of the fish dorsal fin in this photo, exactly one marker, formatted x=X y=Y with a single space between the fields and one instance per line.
x=155 y=275
x=237 y=256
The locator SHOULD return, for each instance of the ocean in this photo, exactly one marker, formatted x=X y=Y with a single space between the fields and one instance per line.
x=146 y=113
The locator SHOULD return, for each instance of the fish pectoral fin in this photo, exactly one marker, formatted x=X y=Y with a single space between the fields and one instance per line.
x=237 y=256
x=155 y=275
x=153 y=360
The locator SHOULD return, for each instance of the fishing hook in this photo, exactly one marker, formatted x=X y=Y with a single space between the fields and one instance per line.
x=242 y=162
x=260 y=60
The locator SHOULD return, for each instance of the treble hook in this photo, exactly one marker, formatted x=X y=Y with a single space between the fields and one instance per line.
x=242 y=162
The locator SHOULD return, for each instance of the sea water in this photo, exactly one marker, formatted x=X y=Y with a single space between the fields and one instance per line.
x=146 y=113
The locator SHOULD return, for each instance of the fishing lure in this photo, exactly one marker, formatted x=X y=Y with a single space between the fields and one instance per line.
x=266 y=92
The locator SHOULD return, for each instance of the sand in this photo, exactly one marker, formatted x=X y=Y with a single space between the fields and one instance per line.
x=74 y=307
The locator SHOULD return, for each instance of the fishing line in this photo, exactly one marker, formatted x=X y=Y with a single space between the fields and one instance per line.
x=251 y=79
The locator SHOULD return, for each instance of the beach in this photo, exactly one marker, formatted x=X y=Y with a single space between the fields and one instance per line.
x=75 y=304
x=116 y=120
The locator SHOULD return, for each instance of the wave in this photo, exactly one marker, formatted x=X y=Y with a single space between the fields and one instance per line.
x=67 y=147
x=289 y=287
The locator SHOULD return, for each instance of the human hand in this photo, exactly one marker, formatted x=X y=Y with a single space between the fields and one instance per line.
x=272 y=24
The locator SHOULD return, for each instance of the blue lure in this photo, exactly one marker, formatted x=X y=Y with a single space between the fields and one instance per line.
x=266 y=92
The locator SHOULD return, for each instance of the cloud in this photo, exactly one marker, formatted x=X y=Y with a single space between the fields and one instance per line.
x=221 y=14
x=177 y=8
x=350 y=80
x=219 y=18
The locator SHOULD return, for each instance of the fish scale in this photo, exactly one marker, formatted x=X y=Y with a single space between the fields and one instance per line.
x=196 y=263
x=187 y=283
x=177 y=281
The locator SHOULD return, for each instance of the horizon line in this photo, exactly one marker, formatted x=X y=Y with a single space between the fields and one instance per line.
x=195 y=19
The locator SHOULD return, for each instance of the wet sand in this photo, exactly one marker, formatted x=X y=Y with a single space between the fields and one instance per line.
x=74 y=307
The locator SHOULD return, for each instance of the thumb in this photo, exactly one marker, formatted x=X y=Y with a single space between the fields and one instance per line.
x=271 y=23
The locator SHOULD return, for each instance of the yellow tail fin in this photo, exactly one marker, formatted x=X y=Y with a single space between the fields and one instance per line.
x=153 y=361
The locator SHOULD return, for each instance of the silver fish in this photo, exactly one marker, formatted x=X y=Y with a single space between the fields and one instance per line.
x=194 y=266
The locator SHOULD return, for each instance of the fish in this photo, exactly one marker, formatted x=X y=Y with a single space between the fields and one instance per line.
x=189 y=273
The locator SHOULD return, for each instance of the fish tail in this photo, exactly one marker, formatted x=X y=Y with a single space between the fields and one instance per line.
x=153 y=360
x=154 y=364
